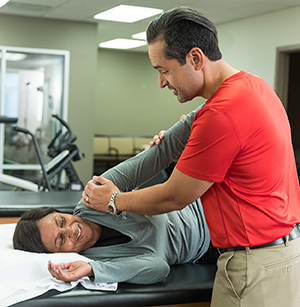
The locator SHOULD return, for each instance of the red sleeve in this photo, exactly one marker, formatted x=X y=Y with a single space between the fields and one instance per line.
x=212 y=146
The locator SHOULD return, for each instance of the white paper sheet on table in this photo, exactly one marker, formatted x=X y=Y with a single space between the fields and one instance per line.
x=24 y=275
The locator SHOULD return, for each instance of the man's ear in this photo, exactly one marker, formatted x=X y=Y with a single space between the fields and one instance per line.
x=196 y=58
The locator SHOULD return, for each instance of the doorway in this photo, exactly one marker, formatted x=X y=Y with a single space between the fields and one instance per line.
x=287 y=88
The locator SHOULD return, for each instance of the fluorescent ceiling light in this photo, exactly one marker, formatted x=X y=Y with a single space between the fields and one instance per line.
x=121 y=43
x=3 y=2
x=141 y=35
x=127 y=13
x=14 y=56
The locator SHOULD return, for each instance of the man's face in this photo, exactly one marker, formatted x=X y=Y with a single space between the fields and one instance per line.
x=181 y=79
x=66 y=233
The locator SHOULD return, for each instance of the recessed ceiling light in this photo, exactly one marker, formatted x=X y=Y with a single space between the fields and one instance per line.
x=141 y=35
x=121 y=43
x=127 y=13
x=3 y=2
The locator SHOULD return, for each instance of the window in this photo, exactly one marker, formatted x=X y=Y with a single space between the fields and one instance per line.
x=33 y=86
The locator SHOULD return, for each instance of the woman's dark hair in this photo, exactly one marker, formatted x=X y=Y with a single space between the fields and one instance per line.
x=182 y=29
x=27 y=236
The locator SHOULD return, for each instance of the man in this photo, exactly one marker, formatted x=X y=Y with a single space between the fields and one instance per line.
x=239 y=159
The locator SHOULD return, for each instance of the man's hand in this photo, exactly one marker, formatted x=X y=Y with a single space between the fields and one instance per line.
x=97 y=193
x=76 y=270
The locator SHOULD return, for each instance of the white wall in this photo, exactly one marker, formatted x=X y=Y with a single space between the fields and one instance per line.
x=251 y=44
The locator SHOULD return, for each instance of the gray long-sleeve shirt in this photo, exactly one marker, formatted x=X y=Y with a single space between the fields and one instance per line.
x=156 y=241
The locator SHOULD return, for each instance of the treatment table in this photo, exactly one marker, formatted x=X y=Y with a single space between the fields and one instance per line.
x=186 y=283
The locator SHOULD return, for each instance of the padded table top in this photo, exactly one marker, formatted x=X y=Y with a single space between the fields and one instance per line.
x=186 y=283
x=14 y=204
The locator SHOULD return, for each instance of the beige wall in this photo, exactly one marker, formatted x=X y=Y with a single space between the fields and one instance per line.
x=80 y=40
x=129 y=100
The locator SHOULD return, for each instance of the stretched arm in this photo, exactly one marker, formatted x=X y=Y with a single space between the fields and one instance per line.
x=135 y=171
x=176 y=193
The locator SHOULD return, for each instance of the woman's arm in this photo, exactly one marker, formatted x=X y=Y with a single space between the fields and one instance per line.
x=141 y=269
x=137 y=170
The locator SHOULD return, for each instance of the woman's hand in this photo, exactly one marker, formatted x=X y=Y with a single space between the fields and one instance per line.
x=97 y=193
x=158 y=137
x=76 y=270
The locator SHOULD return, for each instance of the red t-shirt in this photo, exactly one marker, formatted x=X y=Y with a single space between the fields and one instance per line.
x=241 y=140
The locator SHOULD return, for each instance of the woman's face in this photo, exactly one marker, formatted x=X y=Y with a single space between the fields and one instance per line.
x=61 y=233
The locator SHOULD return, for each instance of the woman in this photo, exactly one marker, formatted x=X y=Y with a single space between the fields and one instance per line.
x=130 y=247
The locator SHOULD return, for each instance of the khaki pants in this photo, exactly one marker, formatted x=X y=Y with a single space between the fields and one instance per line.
x=262 y=277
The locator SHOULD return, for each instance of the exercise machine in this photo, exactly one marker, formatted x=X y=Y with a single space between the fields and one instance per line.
x=62 y=151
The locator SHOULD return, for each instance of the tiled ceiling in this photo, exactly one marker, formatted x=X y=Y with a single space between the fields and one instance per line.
x=219 y=11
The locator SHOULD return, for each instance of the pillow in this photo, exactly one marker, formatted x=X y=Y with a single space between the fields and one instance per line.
x=24 y=275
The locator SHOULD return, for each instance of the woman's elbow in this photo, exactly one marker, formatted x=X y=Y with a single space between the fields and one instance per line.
x=158 y=275
x=152 y=275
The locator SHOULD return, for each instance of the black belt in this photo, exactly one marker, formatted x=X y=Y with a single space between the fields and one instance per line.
x=295 y=233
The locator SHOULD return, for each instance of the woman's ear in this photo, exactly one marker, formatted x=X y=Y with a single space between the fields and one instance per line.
x=196 y=58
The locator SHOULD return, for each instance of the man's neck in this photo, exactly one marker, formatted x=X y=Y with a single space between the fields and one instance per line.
x=215 y=74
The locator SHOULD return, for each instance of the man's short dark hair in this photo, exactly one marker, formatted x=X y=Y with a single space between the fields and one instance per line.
x=27 y=236
x=182 y=29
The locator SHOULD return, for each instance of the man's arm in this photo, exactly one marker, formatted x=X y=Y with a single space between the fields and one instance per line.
x=174 y=194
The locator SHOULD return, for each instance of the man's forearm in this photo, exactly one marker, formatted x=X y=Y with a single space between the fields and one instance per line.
x=149 y=201
x=174 y=194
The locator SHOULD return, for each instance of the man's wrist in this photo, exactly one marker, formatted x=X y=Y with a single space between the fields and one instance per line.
x=112 y=209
